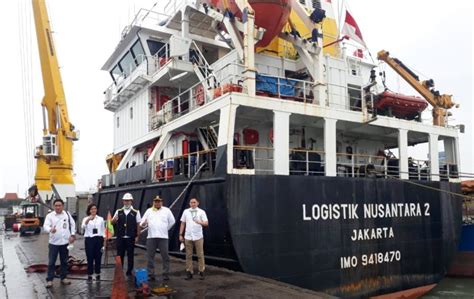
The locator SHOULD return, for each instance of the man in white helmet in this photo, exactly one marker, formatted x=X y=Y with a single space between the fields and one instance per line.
x=128 y=229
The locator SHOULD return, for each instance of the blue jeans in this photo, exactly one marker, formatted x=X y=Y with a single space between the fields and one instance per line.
x=53 y=255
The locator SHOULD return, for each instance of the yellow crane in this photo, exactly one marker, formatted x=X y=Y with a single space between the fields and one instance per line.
x=440 y=102
x=54 y=167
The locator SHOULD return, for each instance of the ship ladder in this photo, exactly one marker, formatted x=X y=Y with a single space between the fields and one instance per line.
x=208 y=137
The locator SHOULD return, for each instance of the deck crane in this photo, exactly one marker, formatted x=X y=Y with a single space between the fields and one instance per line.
x=54 y=167
x=440 y=102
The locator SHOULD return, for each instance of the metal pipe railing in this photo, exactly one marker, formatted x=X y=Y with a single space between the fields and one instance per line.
x=164 y=169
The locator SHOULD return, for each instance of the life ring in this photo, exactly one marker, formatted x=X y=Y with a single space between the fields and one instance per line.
x=199 y=92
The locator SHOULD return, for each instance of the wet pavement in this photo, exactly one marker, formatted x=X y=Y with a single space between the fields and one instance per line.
x=451 y=287
x=20 y=252
x=16 y=253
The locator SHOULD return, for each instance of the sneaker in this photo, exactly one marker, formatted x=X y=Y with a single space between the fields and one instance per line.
x=97 y=277
x=65 y=281
x=49 y=284
x=189 y=276
x=89 y=278
x=201 y=275
x=166 y=277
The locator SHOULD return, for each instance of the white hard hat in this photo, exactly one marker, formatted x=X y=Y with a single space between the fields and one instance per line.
x=127 y=196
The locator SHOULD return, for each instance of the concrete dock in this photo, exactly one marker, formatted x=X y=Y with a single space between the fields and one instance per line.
x=20 y=252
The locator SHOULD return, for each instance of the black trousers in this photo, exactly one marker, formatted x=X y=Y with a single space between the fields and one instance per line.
x=93 y=253
x=128 y=245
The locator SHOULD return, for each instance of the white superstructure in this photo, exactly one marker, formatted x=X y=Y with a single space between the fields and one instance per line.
x=186 y=88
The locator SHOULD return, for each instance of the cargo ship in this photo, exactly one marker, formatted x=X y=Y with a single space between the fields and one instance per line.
x=289 y=139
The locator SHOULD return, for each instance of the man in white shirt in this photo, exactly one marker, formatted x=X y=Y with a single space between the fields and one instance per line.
x=159 y=220
x=128 y=229
x=190 y=232
x=62 y=231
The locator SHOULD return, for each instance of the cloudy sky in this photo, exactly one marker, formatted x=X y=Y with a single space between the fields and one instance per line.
x=433 y=36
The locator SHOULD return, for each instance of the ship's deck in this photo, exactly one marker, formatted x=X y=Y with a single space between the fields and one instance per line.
x=19 y=253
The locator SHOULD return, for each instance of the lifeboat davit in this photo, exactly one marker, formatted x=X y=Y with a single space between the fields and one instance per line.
x=269 y=14
x=399 y=105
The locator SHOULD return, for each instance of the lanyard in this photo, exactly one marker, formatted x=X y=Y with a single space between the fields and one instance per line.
x=93 y=222
x=57 y=222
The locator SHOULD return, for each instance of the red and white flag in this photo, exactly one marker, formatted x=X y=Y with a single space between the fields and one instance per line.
x=352 y=30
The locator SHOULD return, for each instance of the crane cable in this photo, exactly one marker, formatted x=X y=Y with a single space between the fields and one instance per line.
x=24 y=28
x=425 y=186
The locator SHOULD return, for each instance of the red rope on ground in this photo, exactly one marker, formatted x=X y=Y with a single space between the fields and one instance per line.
x=119 y=286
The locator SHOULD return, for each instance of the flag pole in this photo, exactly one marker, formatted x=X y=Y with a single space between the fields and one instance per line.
x=105 y=243
x=106 y=256
x=108 y=235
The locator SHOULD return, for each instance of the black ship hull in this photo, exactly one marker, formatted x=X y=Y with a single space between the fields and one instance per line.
x=348 y=237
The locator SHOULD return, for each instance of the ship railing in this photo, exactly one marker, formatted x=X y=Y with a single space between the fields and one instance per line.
x=448 y=170
x=286 y=88
x=362 y=165
x=270 y=85
x=159 y=60
x=184 y=166
x=173 y=6
x=418 y=169
x=185 y=102
x=306 y=162
x=148 y=17
x=421 y=170
x=194 y=97
x=124 y=80
x=300 y=90
x=339 y=97
x=257 y=160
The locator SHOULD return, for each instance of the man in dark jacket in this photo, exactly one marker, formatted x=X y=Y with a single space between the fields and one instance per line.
x=128 y=229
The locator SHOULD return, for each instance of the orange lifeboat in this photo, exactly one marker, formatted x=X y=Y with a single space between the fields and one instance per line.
x=269 y=14
x=399 y=105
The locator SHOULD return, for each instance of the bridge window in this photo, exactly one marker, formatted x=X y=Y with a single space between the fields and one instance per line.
x=138 y=53
x=118 y=122
x=127 y=64
x=154 y=46
x=131 y=112
x=116 y=73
